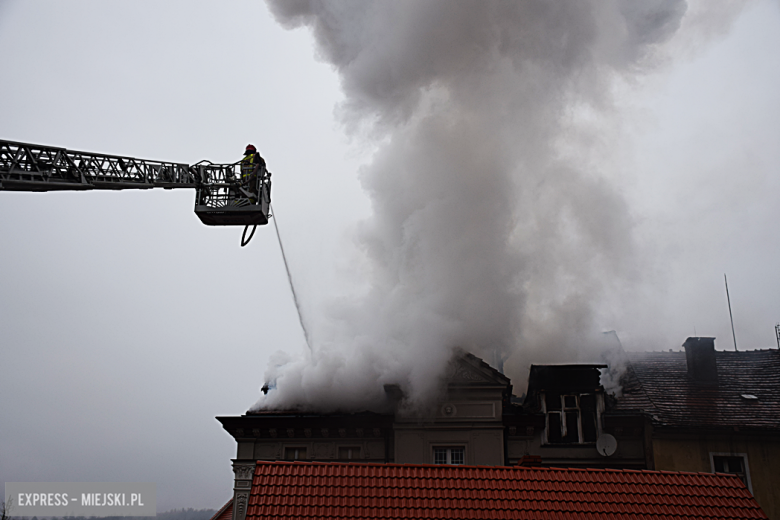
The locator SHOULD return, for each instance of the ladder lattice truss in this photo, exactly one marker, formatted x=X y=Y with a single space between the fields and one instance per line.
x=30 y=167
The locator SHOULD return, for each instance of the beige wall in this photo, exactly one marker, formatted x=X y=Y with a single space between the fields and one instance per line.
x=372 y=449
x=471 y=420
x=629 y=453
x=369 y=450
x=483 y=446
x=692 y=453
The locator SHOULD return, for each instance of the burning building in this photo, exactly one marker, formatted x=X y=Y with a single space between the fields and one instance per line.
x=693 y=410
x=494 y=223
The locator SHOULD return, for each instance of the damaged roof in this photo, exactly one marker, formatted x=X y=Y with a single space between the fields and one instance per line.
x=575 y=378
x=335 y=490
x=746 y=396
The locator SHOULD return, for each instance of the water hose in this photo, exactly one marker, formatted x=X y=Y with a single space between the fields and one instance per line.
x=244 y=239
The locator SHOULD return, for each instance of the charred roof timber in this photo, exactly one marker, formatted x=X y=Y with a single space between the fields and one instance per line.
x=571 y=378
x=700 y=357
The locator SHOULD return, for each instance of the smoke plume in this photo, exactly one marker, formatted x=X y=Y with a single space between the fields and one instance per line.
x=493 y=229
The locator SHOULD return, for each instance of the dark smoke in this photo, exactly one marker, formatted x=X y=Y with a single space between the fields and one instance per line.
x=493 y=229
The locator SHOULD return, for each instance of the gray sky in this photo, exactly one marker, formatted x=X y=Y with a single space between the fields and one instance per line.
x=126 y=325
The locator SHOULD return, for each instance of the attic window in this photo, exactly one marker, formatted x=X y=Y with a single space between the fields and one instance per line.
x=571 y=418
x=449 y=455
x=734 y=463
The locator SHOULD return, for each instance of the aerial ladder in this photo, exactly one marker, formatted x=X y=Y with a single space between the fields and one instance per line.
x=224 y=194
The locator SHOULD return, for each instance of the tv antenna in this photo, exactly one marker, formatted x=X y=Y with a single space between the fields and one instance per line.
x=728 y=298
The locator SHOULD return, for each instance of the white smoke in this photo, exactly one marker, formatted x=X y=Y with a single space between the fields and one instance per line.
x=493 y=229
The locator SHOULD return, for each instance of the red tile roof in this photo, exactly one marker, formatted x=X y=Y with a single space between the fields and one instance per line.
x=225 y=512
x=306 y=490
x=658 y=383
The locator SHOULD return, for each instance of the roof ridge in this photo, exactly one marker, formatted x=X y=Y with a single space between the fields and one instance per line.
x=717 y=351
x=630 y=366
x=222 y=510
x=466 y=355
x=770 y=349
x=454 y=467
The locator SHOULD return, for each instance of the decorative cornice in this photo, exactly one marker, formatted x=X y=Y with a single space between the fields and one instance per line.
x=243 y=471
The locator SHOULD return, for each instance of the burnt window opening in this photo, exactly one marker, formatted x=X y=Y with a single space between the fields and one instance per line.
x=733 y=463
x=449 y=455
x=571 y=418
x=294 y=453
x=349 y=452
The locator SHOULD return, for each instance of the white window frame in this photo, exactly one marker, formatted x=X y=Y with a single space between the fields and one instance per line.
x=449 y=449
x=562 y=414
x=744 y=460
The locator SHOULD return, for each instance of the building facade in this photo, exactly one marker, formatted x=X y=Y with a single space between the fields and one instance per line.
x=694 y=410
x=711 y=411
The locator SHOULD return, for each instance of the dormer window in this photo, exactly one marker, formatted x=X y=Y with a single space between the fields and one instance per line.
x=572 y=418
x=572 y=400
x=734 y=463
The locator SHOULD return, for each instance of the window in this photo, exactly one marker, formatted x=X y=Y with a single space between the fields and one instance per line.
x=454 y=455
x=734 y=463
x=294 y=453
x=348 y=452
x=571 y=419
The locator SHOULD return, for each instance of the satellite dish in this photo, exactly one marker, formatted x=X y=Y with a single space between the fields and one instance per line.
x=606 y=445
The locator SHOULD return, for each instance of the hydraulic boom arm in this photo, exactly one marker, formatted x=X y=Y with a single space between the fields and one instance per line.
x=31 y=167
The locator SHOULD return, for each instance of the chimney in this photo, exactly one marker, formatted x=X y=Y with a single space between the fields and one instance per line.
x=700 y=356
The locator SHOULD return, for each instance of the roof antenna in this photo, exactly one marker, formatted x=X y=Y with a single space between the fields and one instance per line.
x=730 y=315
x=777 y=333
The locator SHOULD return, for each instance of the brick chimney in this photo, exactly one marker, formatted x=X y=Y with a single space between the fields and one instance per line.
x=700 y=356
